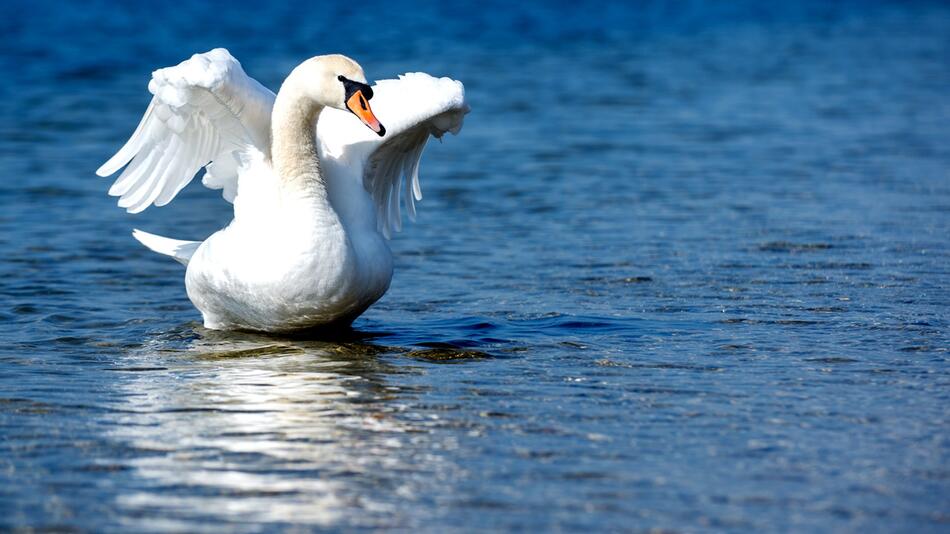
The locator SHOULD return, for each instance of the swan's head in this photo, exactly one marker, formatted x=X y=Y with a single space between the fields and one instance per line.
x=337 y=81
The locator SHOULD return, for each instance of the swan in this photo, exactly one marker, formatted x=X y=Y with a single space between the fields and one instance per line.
x=315 y=175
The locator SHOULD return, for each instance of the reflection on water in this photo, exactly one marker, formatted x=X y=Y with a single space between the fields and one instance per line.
x=271 y=430
x=686 y=268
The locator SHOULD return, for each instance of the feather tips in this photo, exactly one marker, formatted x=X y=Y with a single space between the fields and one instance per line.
x=203 y=109
x=412 y=108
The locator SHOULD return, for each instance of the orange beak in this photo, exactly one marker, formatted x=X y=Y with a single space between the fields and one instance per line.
x=358 y=104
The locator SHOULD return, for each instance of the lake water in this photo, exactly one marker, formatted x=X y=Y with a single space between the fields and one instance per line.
x=686 y=267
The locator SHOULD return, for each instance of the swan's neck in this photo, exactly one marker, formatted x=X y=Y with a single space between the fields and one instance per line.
x=294 y=145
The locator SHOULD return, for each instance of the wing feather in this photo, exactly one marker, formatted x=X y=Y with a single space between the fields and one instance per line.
x=132 y=146
x=205 y=109
x=141 y=165
x=413 y=108
x=140 y=196
x=185 y=164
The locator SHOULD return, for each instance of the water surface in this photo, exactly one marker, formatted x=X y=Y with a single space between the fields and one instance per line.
x=686 y=267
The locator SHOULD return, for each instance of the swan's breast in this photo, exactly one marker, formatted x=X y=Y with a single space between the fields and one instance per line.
x=299 y=275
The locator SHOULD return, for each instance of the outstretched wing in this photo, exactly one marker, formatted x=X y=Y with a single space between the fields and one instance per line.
x=412 y=108
x=206 y=112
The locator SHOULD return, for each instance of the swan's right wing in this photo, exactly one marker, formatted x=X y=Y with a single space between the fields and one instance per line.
x=206 y=112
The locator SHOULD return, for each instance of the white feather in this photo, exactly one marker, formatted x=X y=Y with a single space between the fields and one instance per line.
x=286 y=261
x=204 y=109
x=182 y=251
x=411 y=108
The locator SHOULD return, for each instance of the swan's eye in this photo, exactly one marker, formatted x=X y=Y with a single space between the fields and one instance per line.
x=350 y=88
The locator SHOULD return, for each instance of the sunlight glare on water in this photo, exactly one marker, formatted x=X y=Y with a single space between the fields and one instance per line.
x=684 y=268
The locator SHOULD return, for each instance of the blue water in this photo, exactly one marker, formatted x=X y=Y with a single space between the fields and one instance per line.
x=687 y=267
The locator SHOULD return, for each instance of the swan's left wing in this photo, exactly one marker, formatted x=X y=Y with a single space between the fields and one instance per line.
x=411 y=108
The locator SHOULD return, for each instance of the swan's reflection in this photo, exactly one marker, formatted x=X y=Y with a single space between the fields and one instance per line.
x=247 y=428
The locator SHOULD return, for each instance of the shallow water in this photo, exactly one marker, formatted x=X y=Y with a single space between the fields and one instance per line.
x=684 y=268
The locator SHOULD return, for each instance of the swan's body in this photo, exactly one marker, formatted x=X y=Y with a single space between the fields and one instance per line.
x=312 y=212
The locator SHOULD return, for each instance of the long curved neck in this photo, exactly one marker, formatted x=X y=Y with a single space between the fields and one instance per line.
x=294 y=145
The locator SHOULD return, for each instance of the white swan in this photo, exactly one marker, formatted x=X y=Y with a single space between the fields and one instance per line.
x=307 y=246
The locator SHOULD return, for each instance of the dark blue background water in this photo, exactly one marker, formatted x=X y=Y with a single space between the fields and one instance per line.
x=686 y=267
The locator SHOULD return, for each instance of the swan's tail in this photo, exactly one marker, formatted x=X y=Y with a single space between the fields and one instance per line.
x=182 y=251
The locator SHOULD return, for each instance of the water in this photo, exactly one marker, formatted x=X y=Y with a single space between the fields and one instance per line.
x=686 y=267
